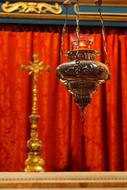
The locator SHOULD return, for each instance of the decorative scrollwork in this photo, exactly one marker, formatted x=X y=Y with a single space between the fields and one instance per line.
x=31 y=7
x=84 y=68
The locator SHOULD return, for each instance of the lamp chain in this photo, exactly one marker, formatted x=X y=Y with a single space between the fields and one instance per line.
x=77 y=31
x=65 y=24
x=77 y=23
x=99 y=3
x=64 y=29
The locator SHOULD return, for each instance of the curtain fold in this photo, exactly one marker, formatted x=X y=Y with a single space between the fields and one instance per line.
x=60 y=125
x=14 y=98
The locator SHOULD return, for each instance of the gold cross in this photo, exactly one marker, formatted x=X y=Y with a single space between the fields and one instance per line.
x=35 y=67
x=34 y=162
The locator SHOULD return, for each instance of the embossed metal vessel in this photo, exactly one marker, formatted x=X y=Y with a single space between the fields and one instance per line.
x=82 y=74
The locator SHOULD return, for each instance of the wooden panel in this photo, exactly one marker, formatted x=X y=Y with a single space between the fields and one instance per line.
x=85 y=17
x=64 y=180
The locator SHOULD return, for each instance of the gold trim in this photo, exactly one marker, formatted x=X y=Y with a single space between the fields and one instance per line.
x=108 y=16
x=96 y=13
x=31 y=7
x=95 y=17
x=76 y=180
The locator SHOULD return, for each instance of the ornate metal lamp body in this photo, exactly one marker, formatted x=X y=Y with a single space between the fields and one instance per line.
x=82 y=74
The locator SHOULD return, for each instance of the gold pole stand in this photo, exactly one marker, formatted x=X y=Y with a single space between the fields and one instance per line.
x=34 y=162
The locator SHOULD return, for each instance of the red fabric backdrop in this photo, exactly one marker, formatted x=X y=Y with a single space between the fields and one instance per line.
x=60 y=125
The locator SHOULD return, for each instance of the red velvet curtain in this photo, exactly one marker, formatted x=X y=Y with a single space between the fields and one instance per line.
x=60 y=124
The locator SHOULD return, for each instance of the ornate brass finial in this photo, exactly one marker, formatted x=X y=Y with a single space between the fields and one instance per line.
x=34 y=162
x=31 y=7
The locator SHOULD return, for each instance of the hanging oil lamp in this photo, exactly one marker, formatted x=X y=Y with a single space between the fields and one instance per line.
x=82 y=74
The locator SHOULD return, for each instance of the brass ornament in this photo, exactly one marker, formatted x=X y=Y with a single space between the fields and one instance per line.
x=34 y=162
x=31 y=7
x=82 y=75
